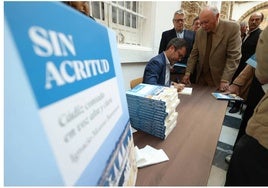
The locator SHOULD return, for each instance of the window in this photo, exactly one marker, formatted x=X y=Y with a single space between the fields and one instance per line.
x=97 y=10
x=124 y=17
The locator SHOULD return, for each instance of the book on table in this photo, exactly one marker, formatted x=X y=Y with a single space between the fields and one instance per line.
x=225 y=96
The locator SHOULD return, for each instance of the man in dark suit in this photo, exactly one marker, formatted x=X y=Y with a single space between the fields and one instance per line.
x=179 y=32
x=249 y=42
x=157 y=71
x=248 y=48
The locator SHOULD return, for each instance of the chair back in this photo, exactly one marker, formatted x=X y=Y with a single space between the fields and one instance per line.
x=135 y=82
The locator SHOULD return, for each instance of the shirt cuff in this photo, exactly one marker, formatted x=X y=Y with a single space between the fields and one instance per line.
x=225 y=81
x=187 y=73
x=239 y=85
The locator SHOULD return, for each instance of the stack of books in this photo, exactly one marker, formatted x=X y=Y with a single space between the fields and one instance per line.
x=152 y=109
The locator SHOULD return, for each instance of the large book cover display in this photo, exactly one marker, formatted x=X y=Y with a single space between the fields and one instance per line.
x=152 y=109
x=66 y=115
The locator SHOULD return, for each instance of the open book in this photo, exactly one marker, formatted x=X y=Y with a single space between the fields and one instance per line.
x=148 y=156
x=222 y=96
x=186 y=91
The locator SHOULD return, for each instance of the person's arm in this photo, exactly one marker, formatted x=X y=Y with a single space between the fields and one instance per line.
x=245 y=75
x=179 y=87
x=233 y=54
x=152 y=72
x=241 y=80
x=191 y=63
x=262 y=56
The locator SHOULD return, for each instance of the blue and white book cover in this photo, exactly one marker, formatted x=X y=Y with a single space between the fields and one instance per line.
x=225 y=96
x=150 y=109
x=145 y=90
x=66 y=115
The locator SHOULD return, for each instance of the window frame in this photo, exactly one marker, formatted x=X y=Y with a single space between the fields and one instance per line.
x=124 y=34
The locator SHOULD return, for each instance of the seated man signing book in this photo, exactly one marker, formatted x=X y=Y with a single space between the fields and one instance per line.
x=157 y=71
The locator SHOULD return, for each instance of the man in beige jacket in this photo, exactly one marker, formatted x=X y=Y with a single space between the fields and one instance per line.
x=249 y=162
x=216 y=64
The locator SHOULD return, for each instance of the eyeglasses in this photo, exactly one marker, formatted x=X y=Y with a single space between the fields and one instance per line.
x=178 y=20
x=180 y=55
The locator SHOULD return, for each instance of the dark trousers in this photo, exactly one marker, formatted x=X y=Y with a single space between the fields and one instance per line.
x=254 y=96
x=249 y=164
x=243 y=125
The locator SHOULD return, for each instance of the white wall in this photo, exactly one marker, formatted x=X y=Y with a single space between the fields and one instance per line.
x=164 y=12
x=240 y=9
x=131 y=71
x=158 y=19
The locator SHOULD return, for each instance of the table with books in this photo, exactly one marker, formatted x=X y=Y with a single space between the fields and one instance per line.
x=191 y=144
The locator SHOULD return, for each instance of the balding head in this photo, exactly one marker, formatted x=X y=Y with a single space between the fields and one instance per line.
x=211 y=9
x=255 y=20
x=259 y=14
x=209 y=18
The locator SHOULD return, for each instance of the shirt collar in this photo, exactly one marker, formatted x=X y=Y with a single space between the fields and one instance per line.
x=252 y=30
x=180 y=31
x=180 y=34
x=167 y=61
